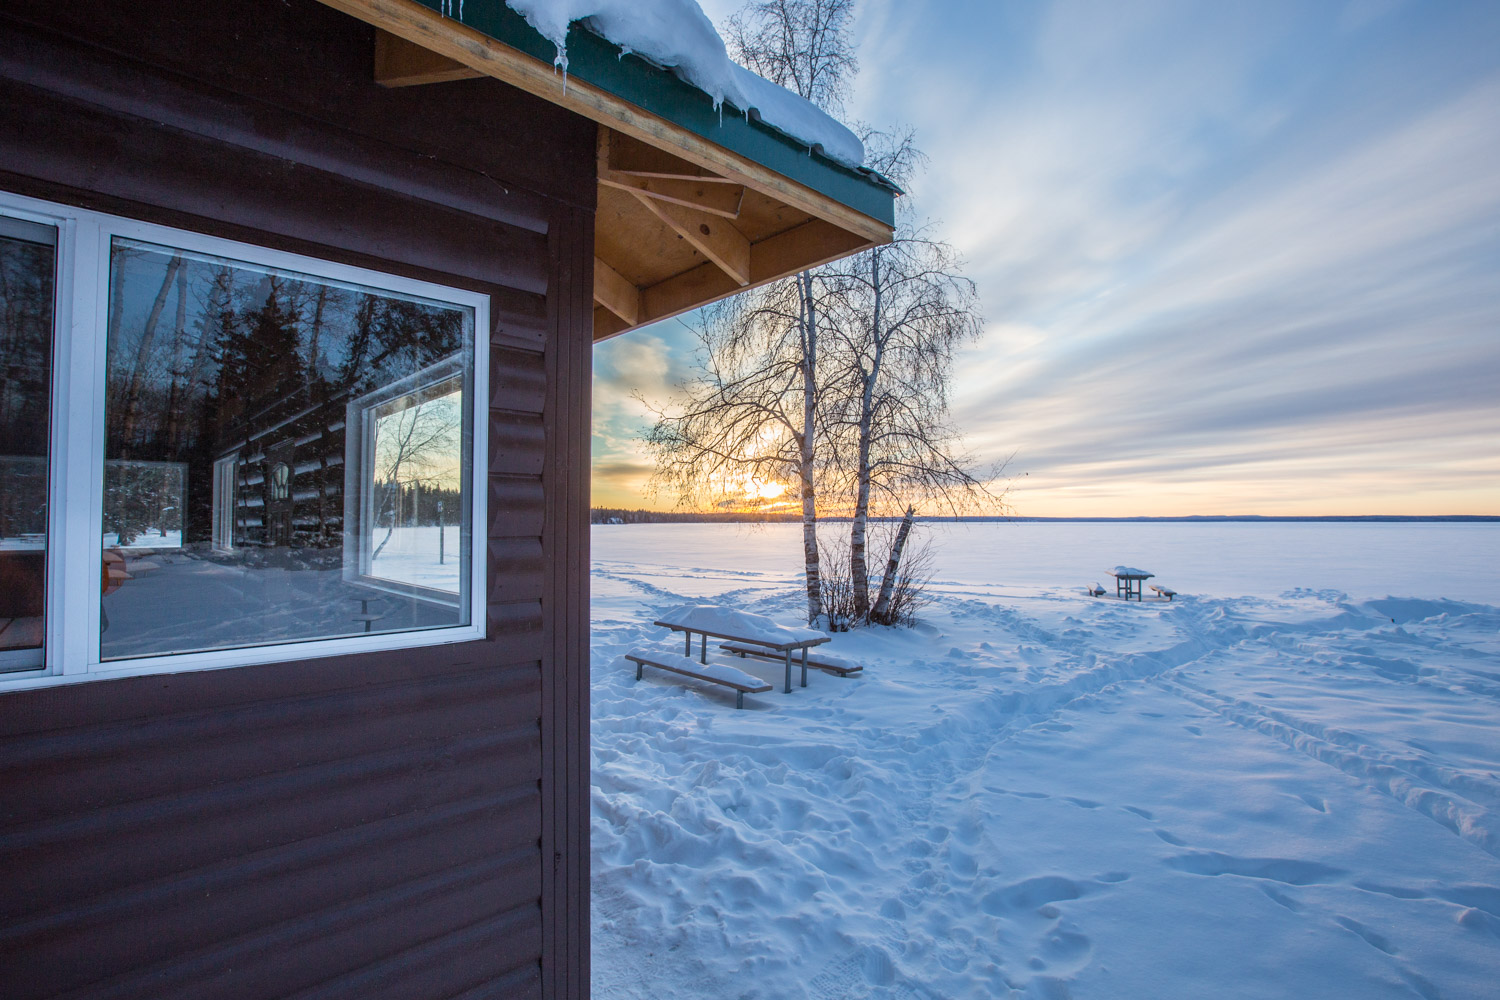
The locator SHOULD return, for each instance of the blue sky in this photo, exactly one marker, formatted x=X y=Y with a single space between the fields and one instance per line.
x=1234 y=257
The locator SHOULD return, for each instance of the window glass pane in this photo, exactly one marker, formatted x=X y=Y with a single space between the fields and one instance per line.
x=287 y=457
x=416 y=481
x=27 y=264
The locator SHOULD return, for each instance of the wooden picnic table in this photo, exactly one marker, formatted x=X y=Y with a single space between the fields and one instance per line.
x=1128 y=581
x=738 y=626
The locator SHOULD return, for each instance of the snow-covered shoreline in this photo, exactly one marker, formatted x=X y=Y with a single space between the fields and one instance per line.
x=1266 y=792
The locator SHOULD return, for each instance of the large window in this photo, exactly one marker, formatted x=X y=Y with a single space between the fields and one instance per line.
x=261 y=450
x=28 y=255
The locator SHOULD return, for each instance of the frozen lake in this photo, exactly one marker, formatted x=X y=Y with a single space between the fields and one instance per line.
x=1453 y=560
x=1283 y=784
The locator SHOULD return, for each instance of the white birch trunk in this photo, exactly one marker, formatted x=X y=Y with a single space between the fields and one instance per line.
x=882 y=607
x=143 y=353
x=805 y=458
x=859 y=571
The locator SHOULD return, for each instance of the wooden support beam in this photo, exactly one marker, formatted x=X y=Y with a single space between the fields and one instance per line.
x=617 y=293
x=723 y=200
x=669 y=175
x=607 y=324
x=688 y=290
x=714 y=238
x=625 y=154
x=399 y=63
x=808 y=245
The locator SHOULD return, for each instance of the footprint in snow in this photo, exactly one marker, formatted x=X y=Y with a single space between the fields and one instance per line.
x=1030 y=894
x=1282 y=899
x=1287 y=870
x=1374 y=940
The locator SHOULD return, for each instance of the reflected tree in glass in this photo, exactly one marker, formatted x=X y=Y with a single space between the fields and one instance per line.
x=241 y=376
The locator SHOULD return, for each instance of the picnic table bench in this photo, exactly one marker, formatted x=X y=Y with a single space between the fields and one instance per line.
x=1166 y=592
x=715 y=673
x=753 y=631
x=827 y=664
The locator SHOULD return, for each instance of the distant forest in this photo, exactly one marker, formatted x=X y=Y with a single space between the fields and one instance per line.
x=618 y=515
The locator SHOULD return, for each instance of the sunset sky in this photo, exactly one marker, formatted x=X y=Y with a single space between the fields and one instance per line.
x=1234 y=258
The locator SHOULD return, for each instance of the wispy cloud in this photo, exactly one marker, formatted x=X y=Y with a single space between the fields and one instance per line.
x=630 y=373
x=1235 y=257
x=1221 y=245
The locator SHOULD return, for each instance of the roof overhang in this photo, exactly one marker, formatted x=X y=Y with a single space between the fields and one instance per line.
x=693 y=204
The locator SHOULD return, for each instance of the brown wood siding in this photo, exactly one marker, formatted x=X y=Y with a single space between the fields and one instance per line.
x=407 y=824
x=565 y=718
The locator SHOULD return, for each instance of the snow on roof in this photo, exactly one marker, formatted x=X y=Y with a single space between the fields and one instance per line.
x=677 y=35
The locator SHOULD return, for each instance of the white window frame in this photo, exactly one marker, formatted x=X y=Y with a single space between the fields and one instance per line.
x=76 y=474
x=22 y=662
x=359 y=460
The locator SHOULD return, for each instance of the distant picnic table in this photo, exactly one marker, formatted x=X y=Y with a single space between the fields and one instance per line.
x=1128 y=581
x=706 y=620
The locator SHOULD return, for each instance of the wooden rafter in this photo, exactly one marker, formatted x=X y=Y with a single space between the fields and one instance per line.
x=617 y=293
x=713 y=237
x=723 y=200
x=808 y=245
x=735 y=261
x=399 y=63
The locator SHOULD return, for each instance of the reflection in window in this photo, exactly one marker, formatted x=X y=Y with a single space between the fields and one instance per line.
x=27 y=262
x=410 y=472
x=143 y=504
x=230 y=388
x=281 y=482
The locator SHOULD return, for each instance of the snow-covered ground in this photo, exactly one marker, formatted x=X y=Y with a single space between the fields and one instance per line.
x=1285 y=783
x=151 y=538
x=418 y=555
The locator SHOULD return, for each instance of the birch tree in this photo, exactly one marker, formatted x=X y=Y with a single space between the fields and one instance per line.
x=906 y=311
x=806 y=46
x=754 y=410
x=903 y=310
x=751 y=413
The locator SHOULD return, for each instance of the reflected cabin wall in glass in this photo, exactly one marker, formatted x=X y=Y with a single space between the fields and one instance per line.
x=28 y=264
x=228 y=492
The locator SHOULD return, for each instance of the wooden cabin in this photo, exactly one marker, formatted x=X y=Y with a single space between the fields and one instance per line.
x=297 y=301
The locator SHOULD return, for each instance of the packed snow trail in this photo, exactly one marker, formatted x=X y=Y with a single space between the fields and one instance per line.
x=1043 y=794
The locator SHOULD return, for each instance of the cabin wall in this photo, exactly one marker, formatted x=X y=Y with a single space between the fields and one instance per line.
x=403 y=824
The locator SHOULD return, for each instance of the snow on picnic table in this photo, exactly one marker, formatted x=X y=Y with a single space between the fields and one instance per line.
x=1272 y=793
x=721 y=620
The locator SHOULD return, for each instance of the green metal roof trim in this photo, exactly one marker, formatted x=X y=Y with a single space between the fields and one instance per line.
x=599 y=62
